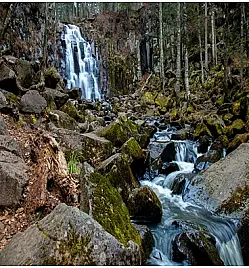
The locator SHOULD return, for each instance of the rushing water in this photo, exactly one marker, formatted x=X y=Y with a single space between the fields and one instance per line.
x=174 y=208
x=81 y=65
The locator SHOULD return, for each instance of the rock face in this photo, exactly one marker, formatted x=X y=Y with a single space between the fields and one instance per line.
x=68 y=236
x=144 y=205
x=33 y=102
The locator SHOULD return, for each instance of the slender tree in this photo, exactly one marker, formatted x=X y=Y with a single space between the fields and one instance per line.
x=161 y=44
x=45 y=39
x=206 y=37
x=178 y=57
x=214 y=58
x=200 y=44
x=242 y=43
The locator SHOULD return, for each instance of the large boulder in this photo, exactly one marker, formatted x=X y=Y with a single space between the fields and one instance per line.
x=8 y=79
x=55 y=96
x=68 y=236
x=72 y=111
x=117 y=169
x=52 y=78
x=120 y=130
x=238 y=139
x=104 y=203
x=3 y=127
x=87 y=147
x=13 y=178
x=169 y=152
x=62 y=120
x=144 y=205
x=32 y=102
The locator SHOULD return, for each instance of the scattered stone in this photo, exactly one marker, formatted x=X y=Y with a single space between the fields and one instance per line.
x=168 y=168
x=68 y=236
x=33 y=102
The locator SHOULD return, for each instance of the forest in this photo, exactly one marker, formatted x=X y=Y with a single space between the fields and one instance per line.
x=124 y=133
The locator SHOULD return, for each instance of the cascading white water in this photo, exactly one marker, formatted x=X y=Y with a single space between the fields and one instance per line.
x=174 y=208
x=81 y=66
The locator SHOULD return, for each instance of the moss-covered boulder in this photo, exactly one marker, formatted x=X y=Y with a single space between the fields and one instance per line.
x=62 y=120
x=238 y=139
x=200 y=130
x=120 y=130
x=117 y=169
x=55 y=96
x=68 y=236
x=106 y=206
x=215 y=124
x=144 y=205
x=220 y=143
x=148 y=98
x=237 y=127
x=51 y=77
x=132 y=149
x=72 y=111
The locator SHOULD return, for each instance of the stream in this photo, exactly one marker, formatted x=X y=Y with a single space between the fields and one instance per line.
x=188 y=213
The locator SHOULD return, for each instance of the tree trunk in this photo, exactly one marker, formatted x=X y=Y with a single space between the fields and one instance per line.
x=186 y=75
x=206 y=36
x=200 y=45
x=213 y=37
x=241 y=44
x=178 y=57
x=7 y=20
x=226 y=68
x=161 y=44
x=45 y=41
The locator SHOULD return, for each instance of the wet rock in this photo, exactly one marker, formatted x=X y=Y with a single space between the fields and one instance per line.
x=52 y=95
x=62 y=120
x=169 y=153
x=238 y=139
x=117 y=169
x=220 y=143
x=120 y=130
x=180 y=182
x=205 y=160
x=182 y=134
x=103 y=202
x=52 y=78
x=68 y=236
x=147 y=239
x=33 y=102
x=204 y=142
x=13 y=178
x=197 y=247
x=243 y=237
x=3 y=127
x=88 y=146
x=168 y=168
x=144 y=205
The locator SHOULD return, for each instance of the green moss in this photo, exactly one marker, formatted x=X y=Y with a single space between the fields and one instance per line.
x=236 y=128
x=239 y=138
x=73 y=164
x=33 y=118
x=110 y=211
x=132 y=148
x=12 y=98
x=148 y=98
x=161 y=100
x=201 y=129
x=72 y=111
x=236 y=108
x=72 y=250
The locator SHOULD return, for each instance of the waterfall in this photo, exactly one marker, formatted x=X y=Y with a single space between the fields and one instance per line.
x=176 y=209
x=81 y=65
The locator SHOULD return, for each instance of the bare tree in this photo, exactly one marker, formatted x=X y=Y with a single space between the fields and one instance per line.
x=161 y=44
x=242 y=43
x=206 y=36
x=214 y=57
x=200 y=44
x=178 y=57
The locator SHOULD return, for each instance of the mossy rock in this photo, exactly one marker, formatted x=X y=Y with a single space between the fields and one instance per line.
x=239 y=138
x=120 y=130
x=215 y=124
x=109 y=210
x=236 y=108
x=144 y=205
x=72 y=111
x=201 y=130
x=117 y=169
x=148 y=98
x=52 y=78
x=237 y=127
x=132 y=149
x=162 y=101
x=63 y=120
x=228 y=118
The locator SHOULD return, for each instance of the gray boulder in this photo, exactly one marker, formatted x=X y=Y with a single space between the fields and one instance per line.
x=33 y=102
x=3 y=101
x=55 y=95
x=7 y=78
x=3 y=128
x=7 y=143
x=13 y=178
x=68 y=236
